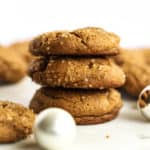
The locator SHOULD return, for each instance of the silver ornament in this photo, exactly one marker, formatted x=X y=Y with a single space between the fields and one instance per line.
x=143 y=102
x=54 y=129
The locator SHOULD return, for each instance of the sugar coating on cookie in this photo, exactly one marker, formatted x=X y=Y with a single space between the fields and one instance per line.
x=16 y=122
x=84 y=41
x=77 y=72
x=87 y=106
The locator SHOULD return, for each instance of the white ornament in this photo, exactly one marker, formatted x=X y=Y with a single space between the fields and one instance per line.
x=54 y=129
x=143 y=103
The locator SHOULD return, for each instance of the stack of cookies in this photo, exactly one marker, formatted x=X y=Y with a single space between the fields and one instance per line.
x=77 y=74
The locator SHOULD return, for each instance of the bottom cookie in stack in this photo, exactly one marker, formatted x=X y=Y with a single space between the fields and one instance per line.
x=86 y=106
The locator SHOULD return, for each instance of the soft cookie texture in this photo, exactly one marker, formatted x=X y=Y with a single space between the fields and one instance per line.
x=84 y=41
x=146 y=54
x=22 y=48
x=136 y=65
x=16 y=122
x=87 y=73
x=12 y=67
x=14 y=61
x=87 y=106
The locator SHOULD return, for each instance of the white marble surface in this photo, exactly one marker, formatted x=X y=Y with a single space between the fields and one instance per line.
x=127 y=132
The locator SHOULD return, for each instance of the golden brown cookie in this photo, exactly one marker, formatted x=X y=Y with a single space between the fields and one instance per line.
x=16 y=122
x=12 y=67
x=88 y=73
x=87 y=106
x=85 y=41
x=22 y=48
x=137 y=69
x=146 y=54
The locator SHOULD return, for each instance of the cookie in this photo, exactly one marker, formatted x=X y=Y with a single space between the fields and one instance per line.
x=15 y=122
x=67 y=72
x=85 y=41
x=146 y=54
x=137 y=69
x=22 y=48
x=87 y=106
x=12 y=67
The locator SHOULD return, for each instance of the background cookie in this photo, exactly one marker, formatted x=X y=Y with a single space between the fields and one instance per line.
x=146 y=54
x=85 y=41
x=14 y=61
x=22 y=48
x=135 y=64
x=15 y=122
x=87 y=107
x=77 y=72
x=12 y=67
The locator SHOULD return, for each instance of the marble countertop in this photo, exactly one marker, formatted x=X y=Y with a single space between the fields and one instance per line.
x=129 y=131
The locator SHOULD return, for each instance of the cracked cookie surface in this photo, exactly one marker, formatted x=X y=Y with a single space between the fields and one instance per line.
x=87 y=106
x=15 y=122
x=88 y=73
x=84 y=41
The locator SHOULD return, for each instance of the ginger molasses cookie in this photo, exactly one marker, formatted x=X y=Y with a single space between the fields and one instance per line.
x=135 y=64
x=84 y=41
x=12 y=67
x=15 y=122
x=87 y=106
x=22 y=48
x=146 y=54
x=87 y=73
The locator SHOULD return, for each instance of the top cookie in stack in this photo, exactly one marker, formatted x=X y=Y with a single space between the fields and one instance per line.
x=85 y=41
x=71 y=65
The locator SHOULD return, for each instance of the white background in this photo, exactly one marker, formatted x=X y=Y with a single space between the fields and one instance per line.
x=130 y=19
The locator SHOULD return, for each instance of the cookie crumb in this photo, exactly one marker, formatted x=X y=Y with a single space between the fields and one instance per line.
x=107 y=136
